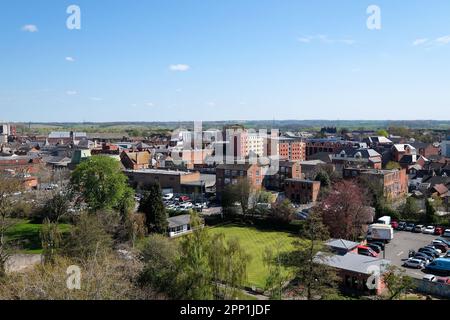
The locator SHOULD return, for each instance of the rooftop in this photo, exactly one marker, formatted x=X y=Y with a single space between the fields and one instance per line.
x=353 y=262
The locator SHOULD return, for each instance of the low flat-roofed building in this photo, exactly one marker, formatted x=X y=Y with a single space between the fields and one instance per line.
x=354 y=271
x=167 y=179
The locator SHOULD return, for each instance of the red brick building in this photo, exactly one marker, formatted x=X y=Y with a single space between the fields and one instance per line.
x=136 y=160
x=286 y=170
x=302 y=191
x=331 y=146
x=231 y=174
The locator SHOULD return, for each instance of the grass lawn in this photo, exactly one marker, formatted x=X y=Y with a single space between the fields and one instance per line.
x=255 y=241
x=25 y=234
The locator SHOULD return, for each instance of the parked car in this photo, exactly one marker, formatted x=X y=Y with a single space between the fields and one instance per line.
x=394 y=224
x=414 y=263
x=419 y=228
x=447 y=256
x=426 y=259
x=366 y=251
x=444 y=240
x=184 y=199
x=401 y=225
x=424 y=255
x=410 y=227
x=378 y=243
x=439 y=266
x=438 y=231
x=430 y=252
x=428 y=230
x=432 y=247
x=168 y=196
x=375 y=247
x=440 y=246
x=446 y=233
x=445 y=280
x=430 y=277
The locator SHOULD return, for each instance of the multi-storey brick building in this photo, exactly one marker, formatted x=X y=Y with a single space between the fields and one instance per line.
x=302 y=191
x=286 y=170
x=393 y=182
x=287 y=148
x=231 y=174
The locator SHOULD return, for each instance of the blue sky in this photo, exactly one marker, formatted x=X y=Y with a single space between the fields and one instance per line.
x=159 y=60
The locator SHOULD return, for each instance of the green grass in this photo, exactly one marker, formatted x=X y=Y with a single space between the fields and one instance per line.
x=255 y=241
x=25 y=235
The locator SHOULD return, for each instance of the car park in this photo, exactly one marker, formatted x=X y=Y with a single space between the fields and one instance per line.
x=419 y=228
x=410 y=227
x=428 y=230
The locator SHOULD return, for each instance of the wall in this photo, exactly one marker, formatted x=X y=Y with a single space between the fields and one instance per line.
x=432 y=288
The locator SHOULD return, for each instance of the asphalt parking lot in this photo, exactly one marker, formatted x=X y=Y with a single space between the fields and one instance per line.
x=398 y=249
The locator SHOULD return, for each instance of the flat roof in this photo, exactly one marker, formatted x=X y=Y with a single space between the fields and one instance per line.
x=353 y=262
x=160 y=171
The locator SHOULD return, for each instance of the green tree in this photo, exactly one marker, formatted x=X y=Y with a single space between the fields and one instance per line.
x=397 y=282
x=392 y=165
x=410 y=210
x=276 y=278
x=88 y=239
x=51 y=238
x=56 y=207
x=382 y=133
x=283 y=211
x=324 y=179
x=195 y=276
x=315 y=277
x=430 y=212
x=160 y=256
x=228 y=263
x=153 y=208
x=100 y=183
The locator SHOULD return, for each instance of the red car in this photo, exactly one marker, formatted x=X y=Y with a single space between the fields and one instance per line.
x=439 y=231
x=184 y=198
x=366 y=251
x=394 y=224
x=445 y=280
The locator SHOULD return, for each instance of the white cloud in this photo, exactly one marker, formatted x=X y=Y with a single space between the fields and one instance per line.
x=325 y=39
x=430 y=43
x=419 y=42
x=71 y=92
x=70 y=59
x=30 y=28
x=179 y=67
x=443 y=40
